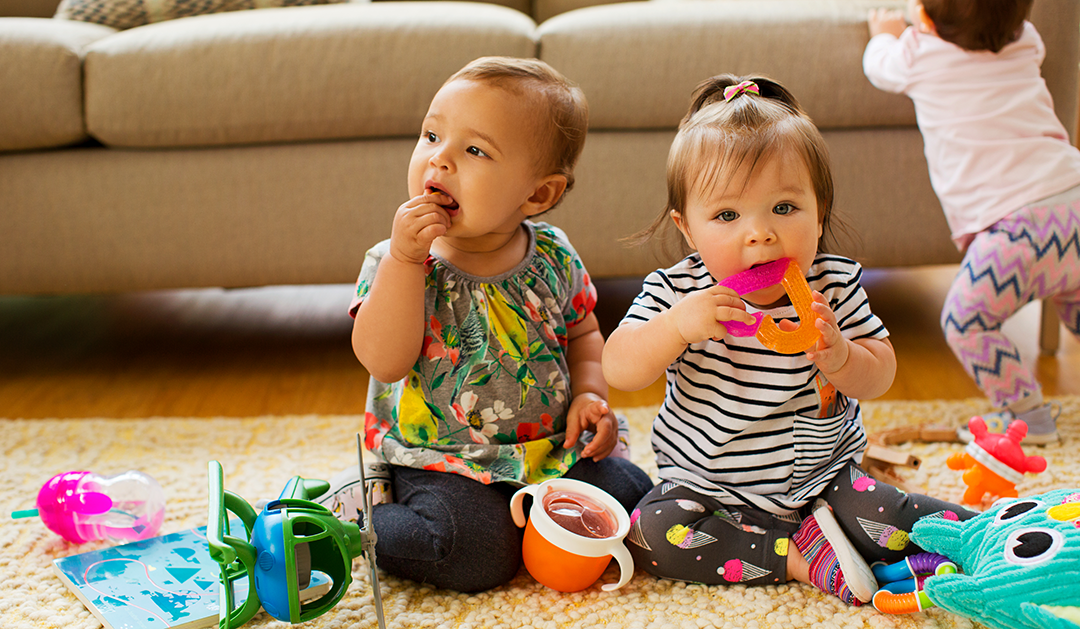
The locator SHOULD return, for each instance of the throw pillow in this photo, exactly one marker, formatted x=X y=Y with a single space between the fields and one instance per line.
x=122 y=14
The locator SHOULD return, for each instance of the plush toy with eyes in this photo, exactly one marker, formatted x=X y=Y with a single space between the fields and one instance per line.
x=1020 y=562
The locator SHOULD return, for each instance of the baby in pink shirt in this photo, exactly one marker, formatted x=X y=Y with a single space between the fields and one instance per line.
x=1006 y=174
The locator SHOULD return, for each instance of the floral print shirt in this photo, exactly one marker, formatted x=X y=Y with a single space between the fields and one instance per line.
x=489 y=393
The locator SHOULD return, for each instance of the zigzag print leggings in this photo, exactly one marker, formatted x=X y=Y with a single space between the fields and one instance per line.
x=1031 y=254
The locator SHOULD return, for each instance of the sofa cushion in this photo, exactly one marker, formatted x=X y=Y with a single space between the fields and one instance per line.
x=638 y=62
x=543 y=10
x=525 y=6
x=109 y=220
x=299 y=73
x=130 y=13
x=41 y=81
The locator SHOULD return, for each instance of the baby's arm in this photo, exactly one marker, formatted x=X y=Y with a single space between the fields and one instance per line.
x=863 y=368
x=889 y=21
x=639 y=353
x=388 y=332
x=884 y=61
x=589 y=408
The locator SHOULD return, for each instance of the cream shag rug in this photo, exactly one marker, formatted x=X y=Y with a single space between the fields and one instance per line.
x=260 y=454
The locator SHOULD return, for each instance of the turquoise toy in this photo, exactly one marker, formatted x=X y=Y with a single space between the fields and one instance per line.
x=1020 y=562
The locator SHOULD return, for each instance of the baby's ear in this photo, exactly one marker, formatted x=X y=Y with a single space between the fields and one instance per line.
x=680 y=223
x=923 y=21
x=547 y=193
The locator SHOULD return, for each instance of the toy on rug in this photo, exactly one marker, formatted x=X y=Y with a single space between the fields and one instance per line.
x=902 y=583
x=880 y=461
x=1020 y=562
x=787 y=273
x=286 y=543
x=84 y=506
x=994 y=463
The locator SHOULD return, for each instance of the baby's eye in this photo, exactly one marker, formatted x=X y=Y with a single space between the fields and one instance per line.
x=783 y=209
x=431 y=137
x=472 y=150
x=727 y=216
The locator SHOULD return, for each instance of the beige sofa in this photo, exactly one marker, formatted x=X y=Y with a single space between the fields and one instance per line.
x=270 y=146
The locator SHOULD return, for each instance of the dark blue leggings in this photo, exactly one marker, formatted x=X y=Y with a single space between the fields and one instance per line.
x=455 y=533
x=682 y=535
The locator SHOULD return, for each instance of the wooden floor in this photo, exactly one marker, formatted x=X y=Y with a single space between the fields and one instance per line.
x=285 y=350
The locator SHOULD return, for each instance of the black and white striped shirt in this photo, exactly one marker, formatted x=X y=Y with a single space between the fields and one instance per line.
x=744 y=423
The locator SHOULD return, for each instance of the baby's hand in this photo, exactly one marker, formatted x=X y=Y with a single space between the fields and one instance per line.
x=702 y=315
x=886 y=21
x=590 y=412
x=831 y=352
x=417 y=223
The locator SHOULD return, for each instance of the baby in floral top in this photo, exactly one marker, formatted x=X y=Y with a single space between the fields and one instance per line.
x=477 y=328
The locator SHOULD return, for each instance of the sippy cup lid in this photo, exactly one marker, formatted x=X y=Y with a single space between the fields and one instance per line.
x=59 y=501
x=52 y=507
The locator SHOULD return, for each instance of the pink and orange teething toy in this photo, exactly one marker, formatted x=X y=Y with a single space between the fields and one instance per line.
x=994 y=463
x=787 y=273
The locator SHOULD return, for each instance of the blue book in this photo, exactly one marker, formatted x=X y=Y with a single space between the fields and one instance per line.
x=162 y=582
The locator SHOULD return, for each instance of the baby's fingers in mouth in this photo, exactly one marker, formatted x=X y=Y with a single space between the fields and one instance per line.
x=452 y=205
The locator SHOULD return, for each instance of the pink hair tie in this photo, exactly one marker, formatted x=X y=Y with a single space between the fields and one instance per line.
x=732 y=91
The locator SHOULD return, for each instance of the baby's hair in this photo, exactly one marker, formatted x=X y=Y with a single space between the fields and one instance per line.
x=562 y=102
x=978 y=24
x=755 y=120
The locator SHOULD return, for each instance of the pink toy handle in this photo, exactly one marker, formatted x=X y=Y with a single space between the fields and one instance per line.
x=758 y=277
x=738 y=328
x=749 y=281
x=91 y=503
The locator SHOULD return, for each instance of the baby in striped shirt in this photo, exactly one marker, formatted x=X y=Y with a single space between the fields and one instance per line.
x=758 y=451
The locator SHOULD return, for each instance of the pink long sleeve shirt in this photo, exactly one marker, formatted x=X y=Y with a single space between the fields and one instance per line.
x=992 y=141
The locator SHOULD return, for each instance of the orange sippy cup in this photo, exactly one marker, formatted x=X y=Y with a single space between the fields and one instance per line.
x=573 y=531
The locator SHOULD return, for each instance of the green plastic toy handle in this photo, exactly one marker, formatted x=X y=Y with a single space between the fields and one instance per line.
x=236 y=556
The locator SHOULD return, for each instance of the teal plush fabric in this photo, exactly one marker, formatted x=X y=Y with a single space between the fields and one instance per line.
x=1020 y=562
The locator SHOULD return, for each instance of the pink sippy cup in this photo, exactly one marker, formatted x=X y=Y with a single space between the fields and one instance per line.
x=83 y=506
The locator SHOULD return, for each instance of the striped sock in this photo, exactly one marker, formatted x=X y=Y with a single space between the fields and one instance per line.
x=825 y=572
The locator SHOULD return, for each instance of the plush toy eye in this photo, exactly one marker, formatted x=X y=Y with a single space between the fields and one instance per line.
x=1031 y=547
x=1014 y=510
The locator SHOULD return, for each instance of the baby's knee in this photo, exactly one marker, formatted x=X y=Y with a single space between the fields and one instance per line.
x=625 y=481
x=464 y=554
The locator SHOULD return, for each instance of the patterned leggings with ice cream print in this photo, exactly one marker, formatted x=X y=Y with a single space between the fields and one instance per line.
x=1032 y=254
x=677 y=533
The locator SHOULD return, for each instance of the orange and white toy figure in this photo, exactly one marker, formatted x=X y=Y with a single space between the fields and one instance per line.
x=994 y=463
